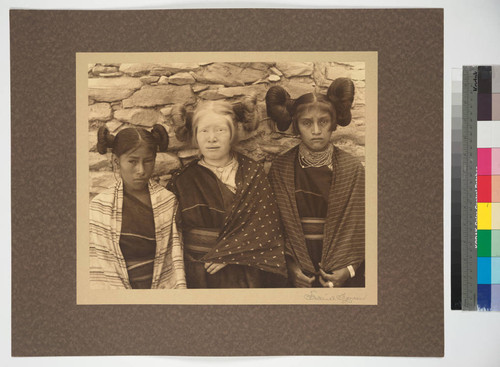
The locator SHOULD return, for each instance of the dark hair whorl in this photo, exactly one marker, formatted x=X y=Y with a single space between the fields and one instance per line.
x=278 y=104
x=341 y=94
x=245 y=111
x=184 y=132
x=104 y=140
x=161 y=137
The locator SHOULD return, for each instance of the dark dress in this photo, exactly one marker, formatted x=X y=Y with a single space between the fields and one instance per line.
x=209 y=212
x=137 y=241
x=323 y=213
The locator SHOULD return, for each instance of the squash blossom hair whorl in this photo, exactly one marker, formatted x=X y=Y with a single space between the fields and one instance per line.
x=131 y=138
x=338 y=102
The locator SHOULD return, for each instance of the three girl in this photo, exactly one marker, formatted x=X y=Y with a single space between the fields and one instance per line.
x=228 y=212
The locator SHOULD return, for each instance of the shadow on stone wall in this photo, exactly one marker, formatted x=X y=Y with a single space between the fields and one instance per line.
x=122 y=95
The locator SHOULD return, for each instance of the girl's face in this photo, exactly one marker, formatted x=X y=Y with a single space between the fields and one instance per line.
x=315 y=127
x=136 y=168
x=214 y=138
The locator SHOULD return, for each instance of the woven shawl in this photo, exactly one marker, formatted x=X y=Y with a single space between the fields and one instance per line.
x=252 y=233
x=344 y=237
x=108 y=269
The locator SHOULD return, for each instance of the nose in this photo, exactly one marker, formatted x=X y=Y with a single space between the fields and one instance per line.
x=140 y=168
x=212 y=136
x=316 y=128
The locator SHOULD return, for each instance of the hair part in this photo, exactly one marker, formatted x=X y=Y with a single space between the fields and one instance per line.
x=309 y=101
x=131 y=138
x=222 y=108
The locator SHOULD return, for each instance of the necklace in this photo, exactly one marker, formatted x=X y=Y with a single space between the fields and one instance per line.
x=308 y=158
x=218 y=168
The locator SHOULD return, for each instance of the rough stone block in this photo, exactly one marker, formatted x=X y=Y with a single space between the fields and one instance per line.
x=211 y=94
x=166 y=163
x=101 y=69
x=181 y=79
x=188 y=153
x=199 y=87
x=172 y=68
x=357 y=74
x=99 y=162
x=92 y=140
x=166 y=111
x=263 y=66
x=148 y=79
x=220 y=73
x=276 y=71
x=231 y=92
x=334 y=72
x=100 y=181
x=163 y=80
x=291 y=69
x=137 y=69
x=160 y=95
x=139 y=116
x=296 y=89
x=250 y=75
x=114 y=125
x=110 y=75
x=99 y=112
x=112 y=89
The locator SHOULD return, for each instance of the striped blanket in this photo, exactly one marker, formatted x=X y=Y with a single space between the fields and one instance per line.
x=108 y=269
x=344 y=236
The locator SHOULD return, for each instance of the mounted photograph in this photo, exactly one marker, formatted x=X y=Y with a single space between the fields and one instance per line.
x=227 y=178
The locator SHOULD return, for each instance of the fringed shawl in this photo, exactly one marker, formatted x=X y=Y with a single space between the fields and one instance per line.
x=344 y=237
x=252 y=233
x=108 y=269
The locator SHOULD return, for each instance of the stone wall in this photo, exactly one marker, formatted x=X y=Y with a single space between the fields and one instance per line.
x=122 y=95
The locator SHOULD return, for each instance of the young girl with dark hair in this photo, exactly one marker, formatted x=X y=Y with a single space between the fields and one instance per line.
x=319 y=189
x=133 y=238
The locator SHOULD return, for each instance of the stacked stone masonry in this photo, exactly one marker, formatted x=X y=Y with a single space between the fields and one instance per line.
x=123 y=95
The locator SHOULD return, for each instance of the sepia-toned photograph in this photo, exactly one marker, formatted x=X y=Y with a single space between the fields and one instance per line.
x=227 y=178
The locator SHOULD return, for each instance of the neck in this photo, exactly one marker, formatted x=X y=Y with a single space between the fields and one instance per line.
x=219 y=162
x=136 y=192
x=303 y=147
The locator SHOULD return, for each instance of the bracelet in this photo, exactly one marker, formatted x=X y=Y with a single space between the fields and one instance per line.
x=351 y=271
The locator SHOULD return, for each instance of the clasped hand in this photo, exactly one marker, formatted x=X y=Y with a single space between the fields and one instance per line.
x=213 y=268
x=328 y=280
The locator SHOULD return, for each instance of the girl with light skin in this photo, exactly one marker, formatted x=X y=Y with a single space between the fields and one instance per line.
x=230 y=225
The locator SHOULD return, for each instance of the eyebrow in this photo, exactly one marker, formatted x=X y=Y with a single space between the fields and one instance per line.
x=137 y=157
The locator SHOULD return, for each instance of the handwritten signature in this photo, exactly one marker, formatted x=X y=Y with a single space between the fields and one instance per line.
x=340 y=298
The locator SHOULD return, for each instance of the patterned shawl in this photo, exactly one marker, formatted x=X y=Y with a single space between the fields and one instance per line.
x=252 y=233
x=344 y=239
x=108 y=269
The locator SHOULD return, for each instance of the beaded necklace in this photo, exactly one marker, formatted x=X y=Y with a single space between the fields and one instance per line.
x=307 y=158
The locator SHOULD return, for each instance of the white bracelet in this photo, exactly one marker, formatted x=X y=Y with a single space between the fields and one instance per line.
x=351 y=271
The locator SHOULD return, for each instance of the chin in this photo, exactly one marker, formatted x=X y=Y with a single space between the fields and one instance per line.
x=317 y=148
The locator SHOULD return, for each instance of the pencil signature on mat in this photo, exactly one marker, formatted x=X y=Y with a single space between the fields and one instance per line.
x=340 y=298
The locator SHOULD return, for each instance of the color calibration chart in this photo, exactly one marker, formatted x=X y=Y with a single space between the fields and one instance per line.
x=476 y=195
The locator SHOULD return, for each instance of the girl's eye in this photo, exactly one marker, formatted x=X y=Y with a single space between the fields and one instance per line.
x=132 y=161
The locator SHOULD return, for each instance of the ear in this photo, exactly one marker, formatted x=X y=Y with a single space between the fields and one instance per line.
x=115 y=160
